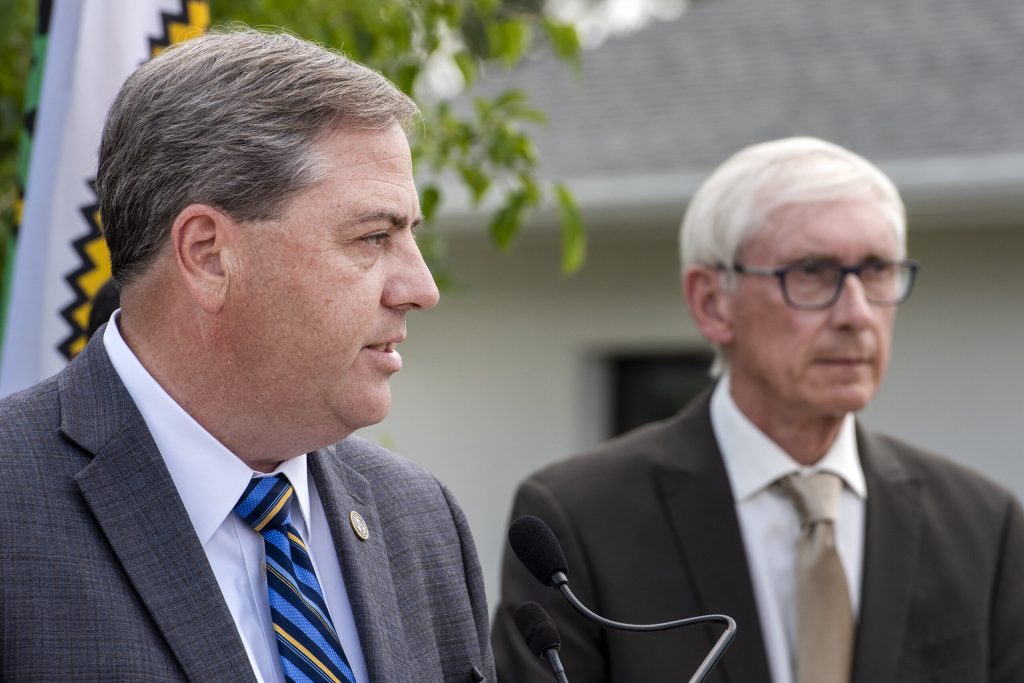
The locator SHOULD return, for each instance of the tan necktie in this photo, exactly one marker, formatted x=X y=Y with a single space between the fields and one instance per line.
x=824 y=615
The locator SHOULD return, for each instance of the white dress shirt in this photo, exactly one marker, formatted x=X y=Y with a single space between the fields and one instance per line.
x=210 y=479
x=770 y=525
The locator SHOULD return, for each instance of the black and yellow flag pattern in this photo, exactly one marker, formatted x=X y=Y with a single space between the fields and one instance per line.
x=86 y=280
x=84 y=51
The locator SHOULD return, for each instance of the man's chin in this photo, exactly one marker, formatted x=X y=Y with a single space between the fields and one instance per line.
x=840 y=401
x=373 y=407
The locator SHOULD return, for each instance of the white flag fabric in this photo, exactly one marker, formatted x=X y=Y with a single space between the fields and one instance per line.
x=61 y=259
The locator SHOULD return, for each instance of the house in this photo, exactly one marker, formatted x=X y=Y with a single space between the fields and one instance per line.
x=520 y=366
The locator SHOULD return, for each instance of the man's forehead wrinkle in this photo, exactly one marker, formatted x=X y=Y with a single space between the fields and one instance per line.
x=393 y=183
x=395 y=176
x=366 y=159
x=389 y=165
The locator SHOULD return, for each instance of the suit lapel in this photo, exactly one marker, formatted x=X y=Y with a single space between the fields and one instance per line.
x=365 y=564
x=131 y=495
x=892 y=540
x=698 y=501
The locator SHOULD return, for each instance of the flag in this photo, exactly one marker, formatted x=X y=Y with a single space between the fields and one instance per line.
x=83 y=52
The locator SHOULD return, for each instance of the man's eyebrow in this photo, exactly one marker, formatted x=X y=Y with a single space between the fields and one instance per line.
x=396 y=220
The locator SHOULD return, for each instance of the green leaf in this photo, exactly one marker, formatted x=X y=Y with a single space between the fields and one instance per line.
x=467 y=65
x=530 y=188
x=432 y=247
x=515 y=37
x=495 y=40
x=504 y=148
x=430 y=198
x=451 y=11
x=476 y=180
x=507 y=221
x=514 y=103
x=364 y=42
x=405 y=77
x=487 y=7
x=508 y=99
x=483 y=107
x=574 y=239
x=531 y=115
x=526 y=150
x=474 y=34
x=564 y=39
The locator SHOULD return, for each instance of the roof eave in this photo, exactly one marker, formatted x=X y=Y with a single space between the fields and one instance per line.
x=939 y=192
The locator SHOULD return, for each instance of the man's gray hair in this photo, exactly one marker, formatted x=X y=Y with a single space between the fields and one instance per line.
x=741 y=196
x=230 y=119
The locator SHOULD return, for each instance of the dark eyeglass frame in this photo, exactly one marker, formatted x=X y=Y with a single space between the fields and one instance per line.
x=780 y=274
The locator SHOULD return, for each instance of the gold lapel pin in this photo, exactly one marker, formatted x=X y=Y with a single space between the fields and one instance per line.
x=359 y=525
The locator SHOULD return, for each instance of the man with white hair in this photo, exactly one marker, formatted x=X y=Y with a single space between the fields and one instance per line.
x=186 y=500
x=842 y=554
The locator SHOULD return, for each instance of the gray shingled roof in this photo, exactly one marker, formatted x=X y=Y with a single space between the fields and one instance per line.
x=896 y=80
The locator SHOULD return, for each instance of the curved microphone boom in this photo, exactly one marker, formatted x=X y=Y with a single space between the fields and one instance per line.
x=541 y=636
x=538 y=549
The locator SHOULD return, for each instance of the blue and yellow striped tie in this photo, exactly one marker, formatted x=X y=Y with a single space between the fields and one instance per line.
x=306 y=639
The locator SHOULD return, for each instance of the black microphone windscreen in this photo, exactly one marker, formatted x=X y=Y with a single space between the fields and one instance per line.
x=535 y=545
x=537 y=627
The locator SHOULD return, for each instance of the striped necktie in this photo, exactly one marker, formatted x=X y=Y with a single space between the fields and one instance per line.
x=306 y=639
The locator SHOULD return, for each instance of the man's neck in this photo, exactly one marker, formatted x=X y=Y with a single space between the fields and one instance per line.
x=804 y=438
x=225 y=403
x=807 y=442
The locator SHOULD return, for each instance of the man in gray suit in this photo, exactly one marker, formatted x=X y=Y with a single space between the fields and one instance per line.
x=843 y=555
x=258 y=200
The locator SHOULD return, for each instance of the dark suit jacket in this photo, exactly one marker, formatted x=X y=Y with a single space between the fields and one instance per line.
x=649 y=528
x=104 y=579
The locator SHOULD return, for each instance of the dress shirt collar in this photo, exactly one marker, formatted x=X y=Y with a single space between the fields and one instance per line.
x=754 y=462
x=209 y=478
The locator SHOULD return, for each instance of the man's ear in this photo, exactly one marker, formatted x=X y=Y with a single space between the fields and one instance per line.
x=203 y=239
x=710 y=303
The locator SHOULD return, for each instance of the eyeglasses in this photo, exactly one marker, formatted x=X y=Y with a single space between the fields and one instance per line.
x=817 y=284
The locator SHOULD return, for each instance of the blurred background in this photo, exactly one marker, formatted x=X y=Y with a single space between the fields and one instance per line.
x=561 y=142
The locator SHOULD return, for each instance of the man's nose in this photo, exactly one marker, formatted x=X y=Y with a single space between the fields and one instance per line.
x=852 y=306
x=412 y=285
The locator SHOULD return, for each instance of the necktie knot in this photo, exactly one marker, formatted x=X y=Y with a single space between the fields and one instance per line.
x=816 y=496
x=264 y=505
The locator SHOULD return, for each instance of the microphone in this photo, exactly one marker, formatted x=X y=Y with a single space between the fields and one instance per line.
x=541 y=636
x=537 y=547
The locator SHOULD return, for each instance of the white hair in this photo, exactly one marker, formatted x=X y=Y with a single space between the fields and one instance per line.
x=739 y=198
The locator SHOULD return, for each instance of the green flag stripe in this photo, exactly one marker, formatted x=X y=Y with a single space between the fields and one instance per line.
x=32 y=89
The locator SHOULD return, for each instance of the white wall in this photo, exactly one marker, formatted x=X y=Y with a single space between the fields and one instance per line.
x=504 y=376
x=957 y=375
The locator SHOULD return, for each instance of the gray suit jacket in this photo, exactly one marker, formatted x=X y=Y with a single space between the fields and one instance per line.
x=649 y=528
x=104 y=579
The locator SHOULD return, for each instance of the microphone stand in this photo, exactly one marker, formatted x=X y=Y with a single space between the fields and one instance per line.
x=561 y=582
x=551 y=654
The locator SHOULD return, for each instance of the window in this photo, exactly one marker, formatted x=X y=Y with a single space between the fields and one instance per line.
x=652 y=386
